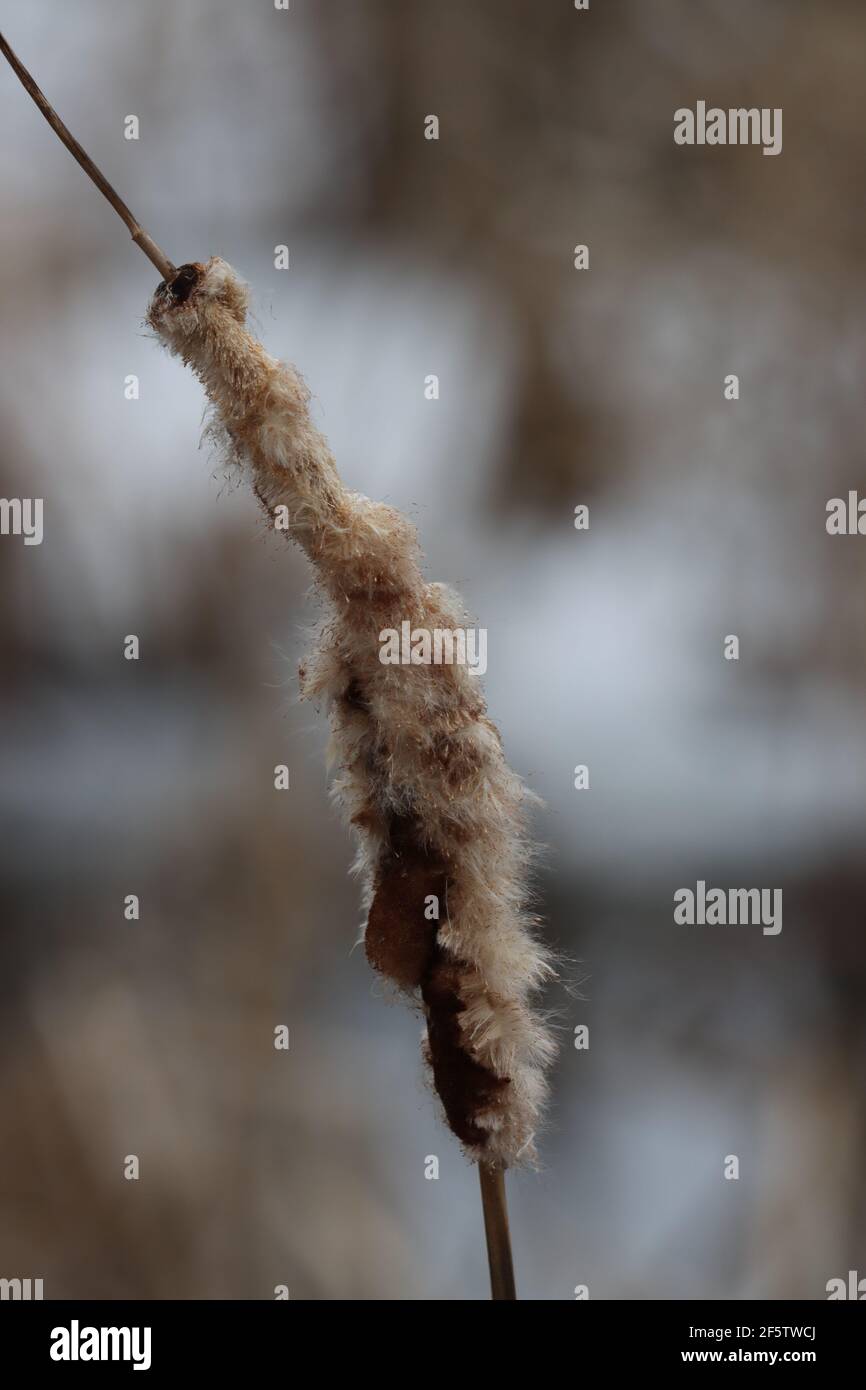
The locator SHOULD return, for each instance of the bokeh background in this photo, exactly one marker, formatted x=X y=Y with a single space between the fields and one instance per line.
x=558 y=387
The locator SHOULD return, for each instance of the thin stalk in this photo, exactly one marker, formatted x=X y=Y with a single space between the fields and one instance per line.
x=136 y=231
x=493 y=1201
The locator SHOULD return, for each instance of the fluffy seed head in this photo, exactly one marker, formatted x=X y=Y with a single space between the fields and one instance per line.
x=419 y=768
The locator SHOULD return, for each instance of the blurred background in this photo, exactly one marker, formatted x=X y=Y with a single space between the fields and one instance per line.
x=408 y=257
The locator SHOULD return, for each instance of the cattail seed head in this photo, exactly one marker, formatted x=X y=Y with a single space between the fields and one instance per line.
x=419 y=768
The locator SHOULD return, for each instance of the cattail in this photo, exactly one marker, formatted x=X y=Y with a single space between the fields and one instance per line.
x=421 y=776
x=420 y=771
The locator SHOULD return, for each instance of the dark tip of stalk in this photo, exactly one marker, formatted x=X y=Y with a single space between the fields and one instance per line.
x=184 y=282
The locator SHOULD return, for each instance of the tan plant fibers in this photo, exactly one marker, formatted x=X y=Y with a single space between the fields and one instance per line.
x=420 y=770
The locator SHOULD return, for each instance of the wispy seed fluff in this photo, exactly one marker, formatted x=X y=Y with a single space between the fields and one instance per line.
x=420 y=770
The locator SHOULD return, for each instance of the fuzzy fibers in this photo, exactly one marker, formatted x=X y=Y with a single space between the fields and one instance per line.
x=419 y=768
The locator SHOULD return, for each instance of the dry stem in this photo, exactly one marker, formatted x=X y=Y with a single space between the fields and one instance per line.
x=493 y=1201
x=137 y=232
